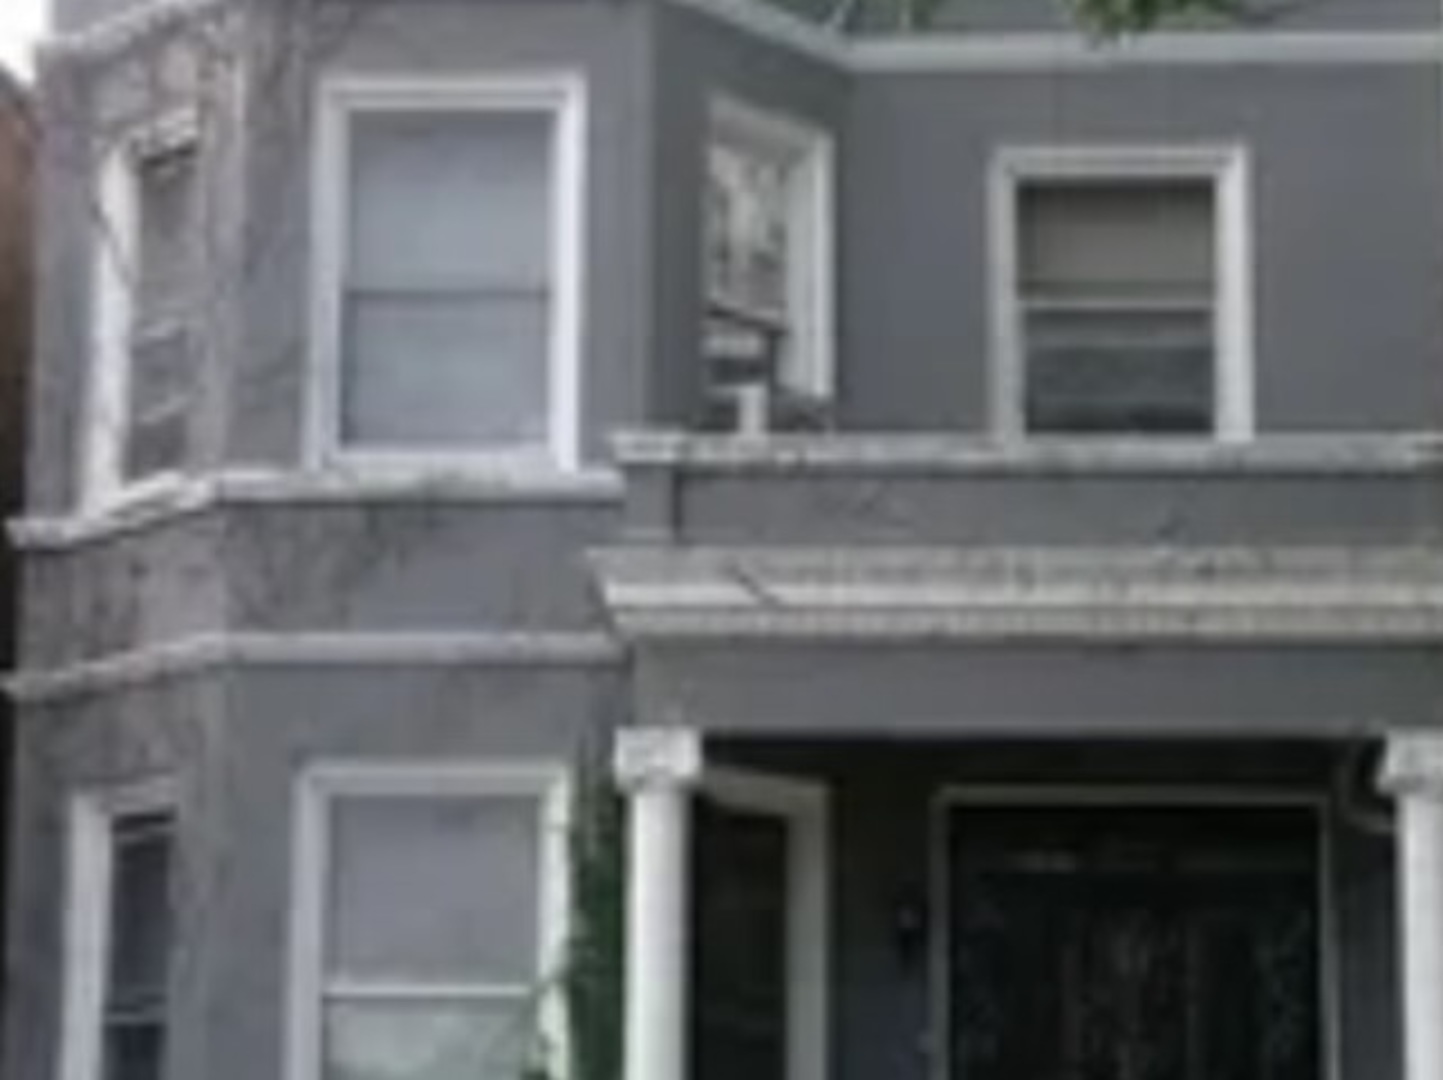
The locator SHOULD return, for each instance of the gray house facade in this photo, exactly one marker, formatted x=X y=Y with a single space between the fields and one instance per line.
x=974 y=490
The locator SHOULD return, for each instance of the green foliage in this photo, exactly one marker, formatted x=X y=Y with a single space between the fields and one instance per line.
x=594 y=976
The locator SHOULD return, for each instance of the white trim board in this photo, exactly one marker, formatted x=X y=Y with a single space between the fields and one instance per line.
x=329 y=487
x=805 y=808
x=561 y=96
x=88 y=885
x=1023 y=53
x=201 y=653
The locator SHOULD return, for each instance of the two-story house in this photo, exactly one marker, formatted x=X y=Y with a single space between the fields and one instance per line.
x=976 y=490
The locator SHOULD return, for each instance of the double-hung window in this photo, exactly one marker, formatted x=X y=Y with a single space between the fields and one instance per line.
x=768 y=260
x=120 y=937
x=149 y=301
x=431 y=908
x=448 y=250
x=1123 y=294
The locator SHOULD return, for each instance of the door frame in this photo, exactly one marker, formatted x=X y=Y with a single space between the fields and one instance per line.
x=805 y=807
x=951 y=798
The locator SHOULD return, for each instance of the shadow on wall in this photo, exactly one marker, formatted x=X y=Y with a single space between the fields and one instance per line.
x=16 y=224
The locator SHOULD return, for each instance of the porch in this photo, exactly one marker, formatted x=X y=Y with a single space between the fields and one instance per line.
x=980 y=908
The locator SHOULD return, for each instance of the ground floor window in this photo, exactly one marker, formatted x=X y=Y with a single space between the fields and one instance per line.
x=1133 y=943
x=429 y=928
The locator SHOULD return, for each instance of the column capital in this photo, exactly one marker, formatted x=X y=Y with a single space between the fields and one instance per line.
x=1413 y=764
x=657 y=757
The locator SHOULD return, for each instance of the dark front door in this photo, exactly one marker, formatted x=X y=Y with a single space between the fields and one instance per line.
x=1133 y=944
x=740 y=944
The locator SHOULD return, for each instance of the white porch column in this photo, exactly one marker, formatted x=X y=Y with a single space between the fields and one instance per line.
x=1413 y=772
x=657 y=768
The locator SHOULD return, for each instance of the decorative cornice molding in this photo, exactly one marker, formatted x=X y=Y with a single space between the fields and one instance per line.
x=1334 y=595
x=208 y=652
x=646 y=757
x=1413 y=764
x=256 y=487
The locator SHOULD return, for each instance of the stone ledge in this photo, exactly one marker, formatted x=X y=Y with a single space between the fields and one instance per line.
x=1320 y=455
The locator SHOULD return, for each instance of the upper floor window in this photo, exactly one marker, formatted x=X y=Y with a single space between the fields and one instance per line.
x=1123 y=295
x=150 y=305
x=120 y=943
x=768 y=262
x=430 y=922
x=449 y=251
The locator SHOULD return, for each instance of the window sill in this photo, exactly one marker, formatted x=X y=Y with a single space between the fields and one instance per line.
x=339 y=485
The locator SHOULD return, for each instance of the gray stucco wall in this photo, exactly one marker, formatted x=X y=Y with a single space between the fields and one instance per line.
x=698 y=59
x=1345 y=228
x=235 y=744
x=607 y=44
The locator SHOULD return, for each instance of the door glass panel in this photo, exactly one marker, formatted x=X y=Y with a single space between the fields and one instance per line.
x=1160 y=944
x=740 y=942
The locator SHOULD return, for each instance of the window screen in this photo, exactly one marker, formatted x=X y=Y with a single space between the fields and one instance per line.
x=446 y=307
x=137 y=968
x=162 y=344
x=431 y=937
x=1117 y=294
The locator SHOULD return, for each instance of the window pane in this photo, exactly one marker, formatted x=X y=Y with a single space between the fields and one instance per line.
x=159 y=390
x=426 y=1040
x=1125 y=238
x=1120 y=371
x=449 y=369
x=435 y=888
x=448 y=197
x=140 y=913
x=166 y=191
x=134 y=1051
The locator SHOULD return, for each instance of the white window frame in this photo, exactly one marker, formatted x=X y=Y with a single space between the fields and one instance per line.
x=321 y=785
x=1227 y=169
x=116 y=227
x=805 y=808
x=90 y=878
x=561 y=96
x=811 y=286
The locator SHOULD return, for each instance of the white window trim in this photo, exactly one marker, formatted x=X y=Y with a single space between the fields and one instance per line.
x=805 y=808
x=561 y=95
x=116 y=228
x=812 y=285
x=90 y=866
x=958 y=797
x=547 y=782
x=1227 y=168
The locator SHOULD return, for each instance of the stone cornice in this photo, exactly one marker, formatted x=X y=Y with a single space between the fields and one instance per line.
x=1318 y=595
x=204 y=653
x=1320 y=455
x=1413 y=764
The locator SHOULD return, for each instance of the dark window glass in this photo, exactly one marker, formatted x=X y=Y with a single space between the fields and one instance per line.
x=137 y=968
